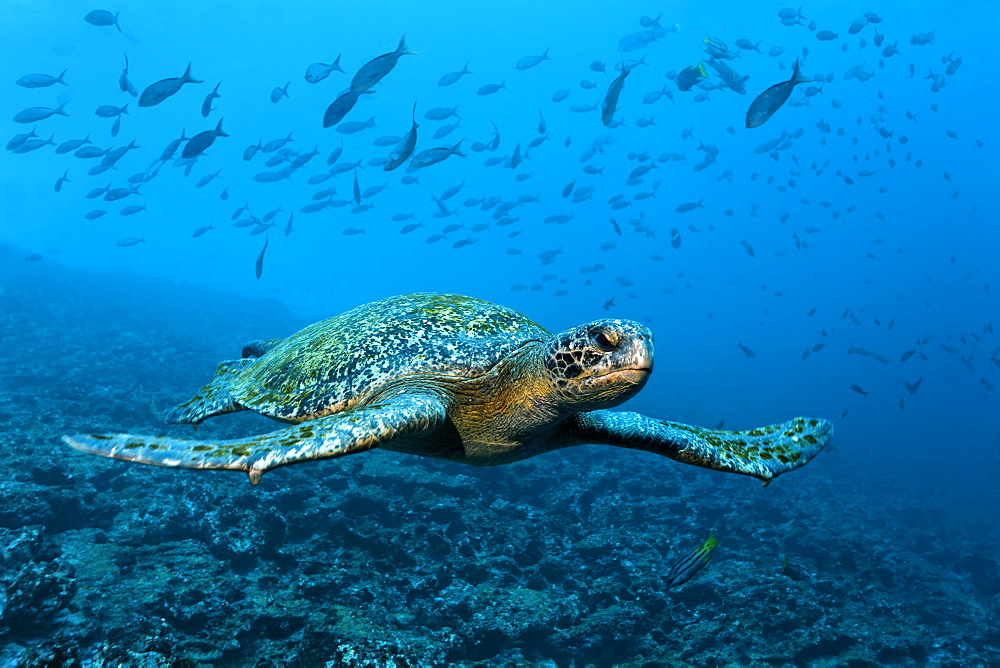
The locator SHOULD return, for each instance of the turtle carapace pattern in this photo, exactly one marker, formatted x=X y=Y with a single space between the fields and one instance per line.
x=453 y=377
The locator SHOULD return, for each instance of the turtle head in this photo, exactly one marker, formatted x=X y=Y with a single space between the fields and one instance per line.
x=600 y=364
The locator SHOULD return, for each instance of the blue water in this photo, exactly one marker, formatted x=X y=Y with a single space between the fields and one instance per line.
x=872 y=223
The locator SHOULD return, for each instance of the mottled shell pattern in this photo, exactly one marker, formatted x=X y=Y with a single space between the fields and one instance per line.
x=326 y=367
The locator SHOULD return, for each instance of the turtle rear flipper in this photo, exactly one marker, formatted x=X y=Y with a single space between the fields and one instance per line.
x=346 y=433
x=213 y=399
x=763 y=453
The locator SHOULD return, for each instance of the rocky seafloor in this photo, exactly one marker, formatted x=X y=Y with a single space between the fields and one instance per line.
x=384 y=559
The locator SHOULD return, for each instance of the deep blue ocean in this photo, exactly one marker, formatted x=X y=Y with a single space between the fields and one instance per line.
x=836 y=260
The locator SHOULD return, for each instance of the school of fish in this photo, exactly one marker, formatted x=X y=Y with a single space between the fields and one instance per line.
x=606 y=92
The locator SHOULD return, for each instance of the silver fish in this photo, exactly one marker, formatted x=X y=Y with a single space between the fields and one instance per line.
x=206 y=105
x=102 y=17
x=768 y=102
x=40 y=80
x=19 y=139
x=319 y=71
x=452 y=77
x=527 y=62
x=377 y=68
x=33 y=144
x=202 y=141
x=353 y=127
x=110 y=111
x=156 y=93
x=124 y=84
x=34 y=114
x=610 y=102
x=259 y=267
x=405 y=147
x=279 y=92
x=340 y=107
x=432 y=156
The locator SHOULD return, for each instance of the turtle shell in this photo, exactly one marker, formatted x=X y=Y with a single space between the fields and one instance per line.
x=328 y=366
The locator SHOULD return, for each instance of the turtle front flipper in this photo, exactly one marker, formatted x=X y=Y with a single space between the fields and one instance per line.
x=763 y=453
x=336 y=435
x=213 y=399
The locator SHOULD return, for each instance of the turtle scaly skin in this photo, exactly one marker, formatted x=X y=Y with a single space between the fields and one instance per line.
x=452 y=377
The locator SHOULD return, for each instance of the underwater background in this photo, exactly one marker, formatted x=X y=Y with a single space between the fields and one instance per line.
x=838 y=260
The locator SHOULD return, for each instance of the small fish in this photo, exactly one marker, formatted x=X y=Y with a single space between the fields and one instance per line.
x=110 y=111
x=768 y=102
x=40 y=80
x=206 y=105
x=453 y=77
x=132 y=209
x=527 y=62
x=259 y=267
x=202 y=141
x=560 y=95
x=404 y=148
x=354 y=127
x=432 y=156
x=95 y=214
x=35 y=114
x=516 y=158
x=826 y=35
x=748 y=248
x=172 y=147
x=446 y=130
x=67 y=146
x=441 y=113
x=33 y=144
x=124 y=84
x=102 y=17
x=687 y=566
x=278 y=93
x=201 y=230
x=319 y=71
x=156 y=93
x=857 y=389
x=610 y=102
x=491 y=88
x=125 y=242
x=19 y=139
x=907 y=355
x=690 y=206
x=689 y=76
x=913 y=387
x=208 y=178
x=61 y=180
x=377 y=68
x=747 y=351
x=794 y=568
x=339 y=108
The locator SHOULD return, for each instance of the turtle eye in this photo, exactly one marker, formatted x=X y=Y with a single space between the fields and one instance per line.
x=606 y=341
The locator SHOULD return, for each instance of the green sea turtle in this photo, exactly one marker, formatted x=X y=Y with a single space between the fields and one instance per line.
x=453 y=377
